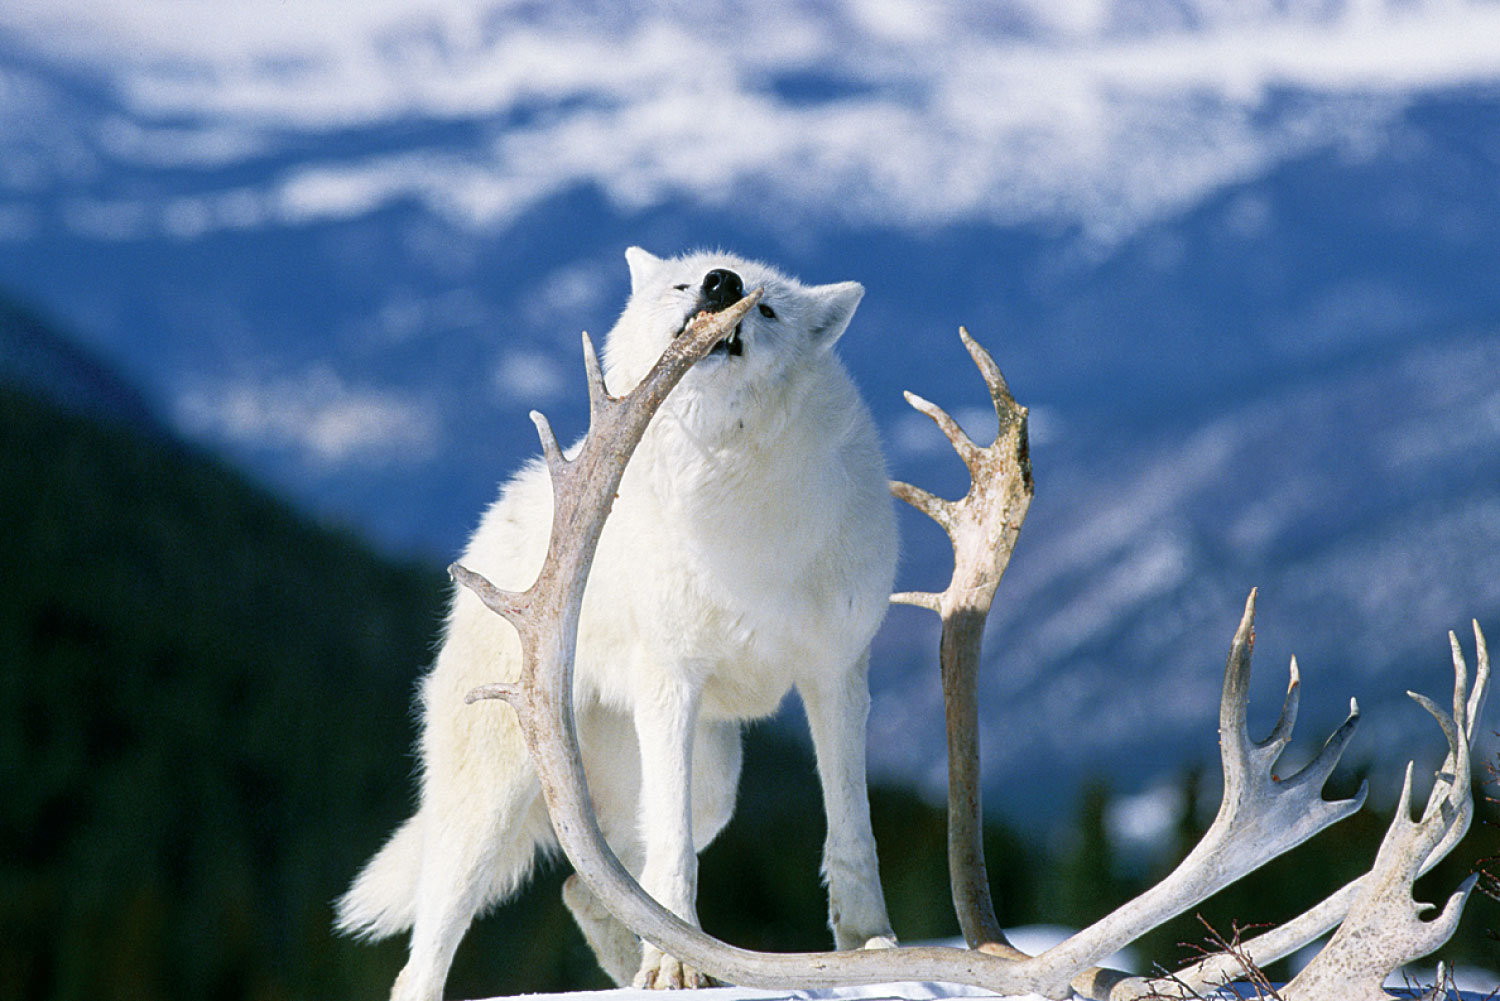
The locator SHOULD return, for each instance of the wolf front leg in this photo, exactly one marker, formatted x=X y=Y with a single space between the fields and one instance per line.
x=666 y=719
x=838 y=708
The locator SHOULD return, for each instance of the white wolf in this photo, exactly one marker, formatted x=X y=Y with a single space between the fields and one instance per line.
x=752 y=548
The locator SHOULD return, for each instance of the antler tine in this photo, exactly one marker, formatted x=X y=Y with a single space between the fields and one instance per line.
x=505 y=691
x=1234 y=704
x=1450 y=807
x=1461 y=716
x=1316 y=772
x=919 y=599
x=599 y=397
x=551 y=451
x=956 y=435
x=1454 y=772
x=939 y=509
x=1281 y=734
x=511 y=605
x=1480 y=691
x=999 y=389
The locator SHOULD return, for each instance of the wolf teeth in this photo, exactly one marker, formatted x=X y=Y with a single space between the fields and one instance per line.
x=731 y=345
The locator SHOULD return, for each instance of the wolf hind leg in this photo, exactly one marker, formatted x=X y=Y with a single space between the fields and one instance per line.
x=615 y=946
x=460 y=877
x=476 y=850
x=450 y=892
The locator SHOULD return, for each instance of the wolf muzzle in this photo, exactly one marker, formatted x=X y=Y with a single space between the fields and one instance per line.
x=721 y=289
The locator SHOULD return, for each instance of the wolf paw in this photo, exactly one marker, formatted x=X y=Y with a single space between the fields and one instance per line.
x=880 y=942
x=660 y=972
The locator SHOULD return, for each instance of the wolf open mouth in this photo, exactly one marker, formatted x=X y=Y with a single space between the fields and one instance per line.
x=733 y=345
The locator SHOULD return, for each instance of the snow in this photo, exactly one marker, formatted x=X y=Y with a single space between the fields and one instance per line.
x=1473 y=984
x=911 y=991
x=1107 y=114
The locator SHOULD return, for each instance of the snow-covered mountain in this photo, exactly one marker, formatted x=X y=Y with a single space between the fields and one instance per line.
x=1241 y=259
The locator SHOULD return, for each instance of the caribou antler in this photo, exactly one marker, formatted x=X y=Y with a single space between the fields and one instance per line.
x=1450 y=797
x=1260 y=818
x=1383 y=929
x=983 y=528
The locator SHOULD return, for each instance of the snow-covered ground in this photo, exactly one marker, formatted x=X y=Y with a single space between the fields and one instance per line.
x=877 y=992
x=1473 y=984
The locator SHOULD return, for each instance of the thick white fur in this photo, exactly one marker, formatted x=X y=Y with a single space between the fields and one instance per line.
x=752 y=548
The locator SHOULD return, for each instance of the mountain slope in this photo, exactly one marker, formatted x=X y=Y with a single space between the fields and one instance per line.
x=1239 y=259
x=34 y=356
x=204 y=723
x=1365 y=506
x=204 y=701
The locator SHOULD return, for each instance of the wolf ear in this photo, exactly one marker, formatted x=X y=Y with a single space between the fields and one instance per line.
x=832 y=309
x=643 y=264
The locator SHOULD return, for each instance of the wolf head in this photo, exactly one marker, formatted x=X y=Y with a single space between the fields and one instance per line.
x=789 y=331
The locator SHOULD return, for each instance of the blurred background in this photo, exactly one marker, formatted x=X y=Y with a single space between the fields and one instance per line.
x=279 y=282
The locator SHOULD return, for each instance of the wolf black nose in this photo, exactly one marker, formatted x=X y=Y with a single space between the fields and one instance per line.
x=721 y=288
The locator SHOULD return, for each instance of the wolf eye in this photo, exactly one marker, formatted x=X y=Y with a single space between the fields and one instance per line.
x=767 y=312
x=680 y=288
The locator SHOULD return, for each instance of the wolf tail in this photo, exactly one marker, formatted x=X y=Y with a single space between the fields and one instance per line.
x=383 y=899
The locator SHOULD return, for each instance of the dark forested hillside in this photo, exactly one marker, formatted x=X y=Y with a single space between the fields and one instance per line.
x=204 y=711
x=34 y=354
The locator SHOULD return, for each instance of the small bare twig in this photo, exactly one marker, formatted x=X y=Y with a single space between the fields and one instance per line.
x=1234 y=947
x=1166 y=986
